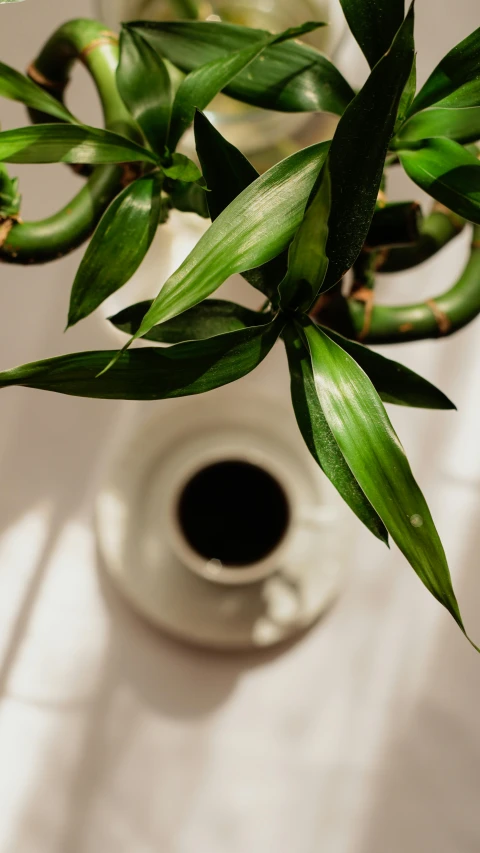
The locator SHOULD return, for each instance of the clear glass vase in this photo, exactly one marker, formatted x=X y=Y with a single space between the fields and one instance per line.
x=264 y=136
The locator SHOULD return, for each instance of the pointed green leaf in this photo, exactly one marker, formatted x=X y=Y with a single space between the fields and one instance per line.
x=227 y=173
x=394 y=382
x=408 y=95
x=151 y=373
x=374 y=23
x=145 y=87
x=252 y=230
x=181 y=168
x=17 y=87
x=376 y=458
x=461 y=124
x=201 y=86
x=288 y=77
x=225 y=169
x=319 y=437
x=118 y=246
x=209 y=318
x=456 y=80
x=307 y=259
x=447 y=172
x=358 y=151
x=68 y=143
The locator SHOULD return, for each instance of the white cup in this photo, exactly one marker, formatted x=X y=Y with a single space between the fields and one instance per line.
x=299 y=514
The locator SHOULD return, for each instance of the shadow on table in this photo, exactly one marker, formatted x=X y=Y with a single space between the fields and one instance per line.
x=153 y=702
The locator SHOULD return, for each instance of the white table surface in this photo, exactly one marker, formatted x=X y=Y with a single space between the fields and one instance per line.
x=361 y=738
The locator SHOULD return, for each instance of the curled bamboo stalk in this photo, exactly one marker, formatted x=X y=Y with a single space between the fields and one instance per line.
x=97 y=48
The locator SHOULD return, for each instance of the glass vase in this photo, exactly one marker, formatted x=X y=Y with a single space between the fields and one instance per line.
x=264 y=136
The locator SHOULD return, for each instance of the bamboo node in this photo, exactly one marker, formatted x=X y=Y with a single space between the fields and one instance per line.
x=107 y=38
x=6 y=226
x=367 y=296
x=442 y=320
x=44 y=82
x=381 y=199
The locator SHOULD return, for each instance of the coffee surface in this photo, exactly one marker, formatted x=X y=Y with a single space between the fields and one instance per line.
x=234 y=512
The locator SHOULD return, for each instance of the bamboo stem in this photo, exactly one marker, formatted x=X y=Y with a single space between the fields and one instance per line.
x=433 y=318
x=55 y=236
x=394 y=224
x=435 y=231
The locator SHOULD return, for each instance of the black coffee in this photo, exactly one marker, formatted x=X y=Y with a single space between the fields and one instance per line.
x=233 y=512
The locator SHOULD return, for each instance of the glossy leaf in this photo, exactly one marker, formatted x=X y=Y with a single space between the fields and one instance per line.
x=319 y=437
x=227 y=173
x=358 y=151
x=200 y=87
x=209 y=318
x=288 y=77
x=394 y=382
x=151 y=373
x=447 y=172
x=225 y=169
x=461 y=124
x=455 y=82
x=68 y=143
x=17 y=87
x=376 y=458
x=252 y=230
x=408 y=95
x=145 y=87
x=374 y=23
x=181 y=168
x=307 y=259
x=118 y=246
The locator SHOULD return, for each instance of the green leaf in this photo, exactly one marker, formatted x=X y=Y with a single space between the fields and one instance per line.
x=319 y=437
x=188 y=197
x=394 y=382
x=209 y=318
x=287 y=77
x=145 y=87
x=252 y=230
x=461 y=124
x=181 y=168
x=118 y=246
x=376 y=458
x=307 y=260
x=374 y=23
x=151 y=373
x=456 y=80
x=227 y=173
x=225 y=169
x=358 y=151
x=201 y=86
x=408 y=95
x=447 y=172
x=68 y=143
x=17 y=87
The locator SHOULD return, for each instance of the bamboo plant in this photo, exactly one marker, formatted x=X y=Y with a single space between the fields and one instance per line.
x=295 y=233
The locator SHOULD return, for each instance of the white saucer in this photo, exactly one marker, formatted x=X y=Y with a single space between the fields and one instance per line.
x=133 y=517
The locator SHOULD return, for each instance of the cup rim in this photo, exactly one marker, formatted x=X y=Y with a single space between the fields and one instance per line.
x=212 y=570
